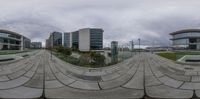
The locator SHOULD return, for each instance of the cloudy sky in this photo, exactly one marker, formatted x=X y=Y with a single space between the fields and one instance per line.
x=122 y=20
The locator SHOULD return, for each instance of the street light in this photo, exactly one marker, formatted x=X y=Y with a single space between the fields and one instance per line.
x=52 y=45
x=132 y=46
x=139 y=45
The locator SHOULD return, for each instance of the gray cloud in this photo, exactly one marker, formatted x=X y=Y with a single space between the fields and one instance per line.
x=122 y=20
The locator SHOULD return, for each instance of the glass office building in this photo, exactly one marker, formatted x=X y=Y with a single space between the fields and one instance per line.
x=66 y=40
x=85 y=39
x=75 y=39
x=187 y=39
x=13 y=41
x=56 y=39
x=96 y=39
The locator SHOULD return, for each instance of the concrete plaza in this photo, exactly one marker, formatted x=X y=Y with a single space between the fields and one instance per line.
x=144 y=75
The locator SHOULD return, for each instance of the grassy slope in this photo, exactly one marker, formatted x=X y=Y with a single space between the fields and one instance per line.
x=176 y=55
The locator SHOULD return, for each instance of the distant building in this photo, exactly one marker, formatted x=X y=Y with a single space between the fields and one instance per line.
x=47 y=44
x=114 y=51
x=13 y=41
x=36 y=45
x=84 y=39
x=186 y=39
x=55 y=39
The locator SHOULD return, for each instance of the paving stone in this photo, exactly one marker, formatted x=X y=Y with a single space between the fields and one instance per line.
x=141 y=67
x=137 y=82
x=13 y=83
x=36 y=81
x=170 y=82
x=84 y=77
x=151 y=81
x=64 y=79
x=195 y=79
x=115 y=82
x=148 y=71
x=179 y=77
x=197 y=92
x=17 y=74
x=21 y=93
x=190 y=85
x=4 y=78
x=29 y=74
x=110 y=76
x=53 y=84
x=71 y=93
x=191 y=73
x=95 y=72
x=29 y=66
x=156 y=71
x=5 y=72
x=85 y=85
x=162 y=91
x=54 y=69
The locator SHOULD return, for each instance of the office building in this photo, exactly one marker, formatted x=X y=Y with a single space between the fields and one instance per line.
x=36 y=45
x=13 y=41
x=84 y=39
x=67 y=40
x=55 y=39
x=114 y=51
x=186 y=39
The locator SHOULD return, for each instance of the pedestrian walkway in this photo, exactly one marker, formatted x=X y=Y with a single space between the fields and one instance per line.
x=144 y=75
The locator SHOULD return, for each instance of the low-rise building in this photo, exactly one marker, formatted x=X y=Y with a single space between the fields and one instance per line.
x=13 y=41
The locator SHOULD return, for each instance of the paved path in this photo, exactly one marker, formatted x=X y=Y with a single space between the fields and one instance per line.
x=144 y=75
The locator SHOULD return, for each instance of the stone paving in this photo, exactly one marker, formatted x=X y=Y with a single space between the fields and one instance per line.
x=142 y=76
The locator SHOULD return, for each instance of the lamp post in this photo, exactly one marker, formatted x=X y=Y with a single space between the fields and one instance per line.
x=52 y=45
x=139 y=45
x=132 y=46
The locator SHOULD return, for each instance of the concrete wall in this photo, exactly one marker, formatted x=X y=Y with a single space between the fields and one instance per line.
x=84 y=39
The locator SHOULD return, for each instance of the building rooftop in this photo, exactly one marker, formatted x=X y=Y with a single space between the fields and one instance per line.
x=185 y=30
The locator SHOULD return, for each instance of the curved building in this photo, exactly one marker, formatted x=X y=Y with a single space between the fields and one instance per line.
x=13 y=41
x=186 y=39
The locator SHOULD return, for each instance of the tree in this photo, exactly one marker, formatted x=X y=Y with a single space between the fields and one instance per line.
x=67 y=51
x=97 y=58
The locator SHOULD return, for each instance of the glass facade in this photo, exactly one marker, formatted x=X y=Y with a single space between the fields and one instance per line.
x=10 y=41
x=67 y=40
x=181 y=41
x=56 y=39
x=96 y=39
x=75 y=39
x=188 y=34
x=6 y=35
x=189 y=40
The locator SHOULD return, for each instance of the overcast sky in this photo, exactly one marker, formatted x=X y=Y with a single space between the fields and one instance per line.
x=122 y=20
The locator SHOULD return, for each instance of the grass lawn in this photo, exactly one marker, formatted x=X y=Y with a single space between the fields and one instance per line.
x=11 y=52
x=177 y=54
x=168 y=55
